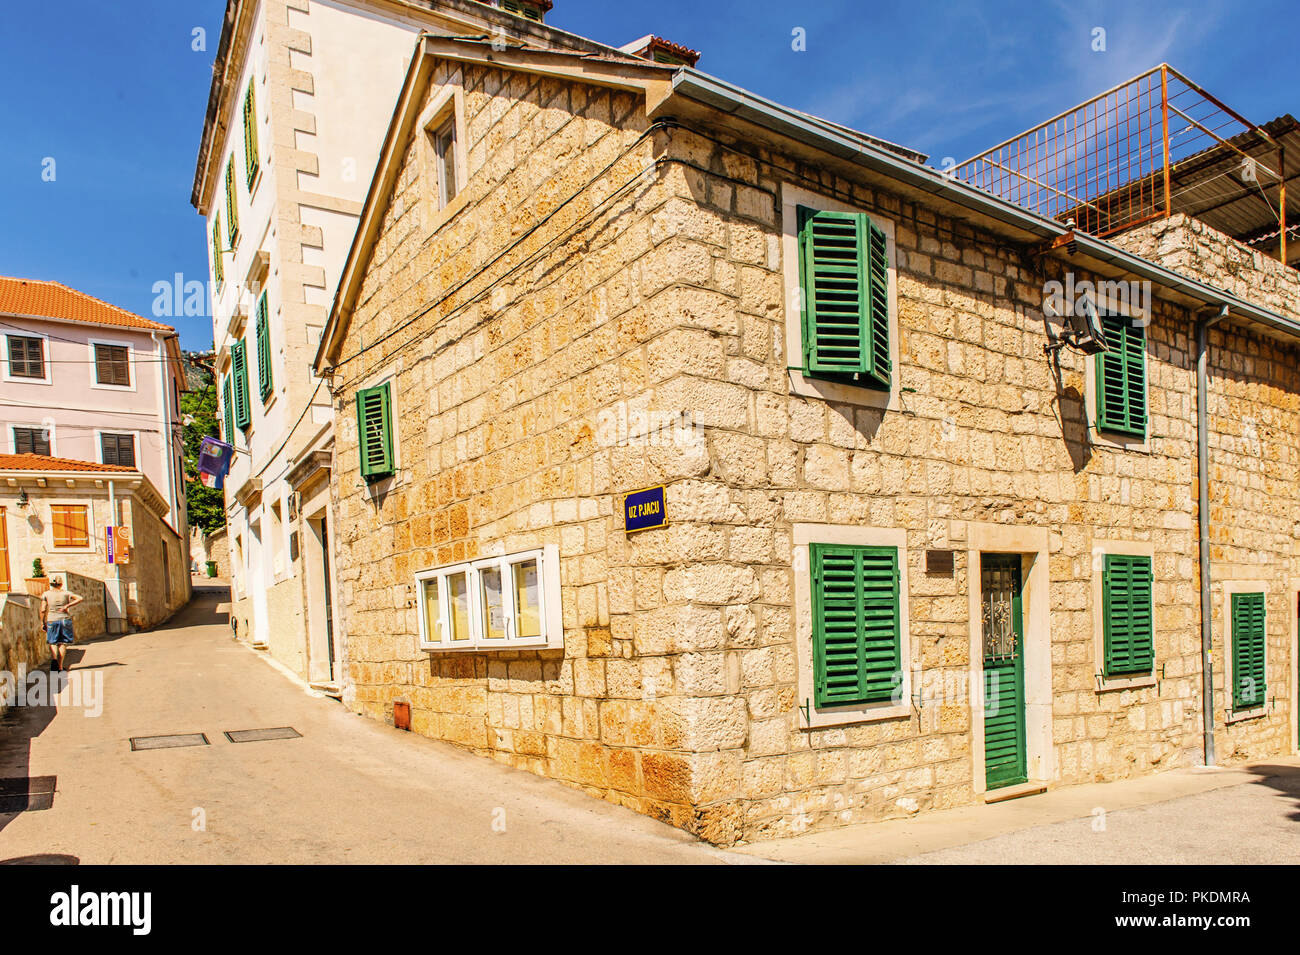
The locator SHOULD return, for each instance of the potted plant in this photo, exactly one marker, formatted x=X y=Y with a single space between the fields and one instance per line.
x=37 y=583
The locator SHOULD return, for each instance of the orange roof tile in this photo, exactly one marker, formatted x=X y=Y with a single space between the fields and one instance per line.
x=40 y=462
x=53 y=300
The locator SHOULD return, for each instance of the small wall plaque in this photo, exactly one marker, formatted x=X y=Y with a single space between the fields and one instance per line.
x=939 y=563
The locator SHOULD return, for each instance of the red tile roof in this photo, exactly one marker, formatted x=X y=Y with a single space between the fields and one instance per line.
x=54 y=300
x=40 y=462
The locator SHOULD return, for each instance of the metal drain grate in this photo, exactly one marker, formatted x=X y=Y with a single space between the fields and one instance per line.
x=253 y=736
x=27 y=793
x=168 y=742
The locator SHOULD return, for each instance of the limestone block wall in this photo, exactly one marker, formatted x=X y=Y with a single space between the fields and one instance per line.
x=88 y=618
x=22 y=641
x=158 y=577
x=1254 y=412
x=216 y=547
x=983 y=433
x=532 y=396
x=498 y=397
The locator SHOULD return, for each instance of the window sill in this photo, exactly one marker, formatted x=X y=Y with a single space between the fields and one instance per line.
x=1119 y=441
x=440 y=217
x=27 y=380
x=854 y=713
x=495 y=647
x=252 y=186
x=1238 y=716
x=841 y=392
x=1111 y=683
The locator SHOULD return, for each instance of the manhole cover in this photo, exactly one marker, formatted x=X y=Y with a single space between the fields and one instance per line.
x=253 y=736
x=168 y=742
x=27 y=793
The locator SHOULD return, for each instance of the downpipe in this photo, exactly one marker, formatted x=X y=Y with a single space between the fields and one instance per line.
x=1203 y=323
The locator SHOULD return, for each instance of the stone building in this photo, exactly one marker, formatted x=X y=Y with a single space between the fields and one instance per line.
x=911 y=559
x=301 y=91
x=57 y=511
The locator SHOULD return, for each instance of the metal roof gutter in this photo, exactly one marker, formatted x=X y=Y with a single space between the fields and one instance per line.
x=763 y=112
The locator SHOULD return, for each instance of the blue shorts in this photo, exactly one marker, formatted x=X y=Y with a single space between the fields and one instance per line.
x=59 y=631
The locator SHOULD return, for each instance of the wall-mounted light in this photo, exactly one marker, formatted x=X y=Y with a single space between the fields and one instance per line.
x=22 y=497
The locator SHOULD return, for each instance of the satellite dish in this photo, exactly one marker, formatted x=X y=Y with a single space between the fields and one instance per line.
x=1084 y=331
x=1087 y=333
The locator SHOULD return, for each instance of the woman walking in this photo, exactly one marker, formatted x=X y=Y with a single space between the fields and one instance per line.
x=55 y=604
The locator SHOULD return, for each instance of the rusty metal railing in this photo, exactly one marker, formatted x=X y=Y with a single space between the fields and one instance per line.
x=1108 y=164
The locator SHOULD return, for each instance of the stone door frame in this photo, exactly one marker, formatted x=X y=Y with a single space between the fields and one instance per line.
x=1031 y=543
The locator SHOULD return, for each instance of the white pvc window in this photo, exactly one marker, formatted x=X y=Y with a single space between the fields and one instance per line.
x=497 y=602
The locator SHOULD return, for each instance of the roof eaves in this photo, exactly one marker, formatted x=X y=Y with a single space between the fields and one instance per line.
x=853 y=147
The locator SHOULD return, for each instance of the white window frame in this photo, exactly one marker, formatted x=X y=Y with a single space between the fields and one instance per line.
x=92 y=531
x=131 y=370
x=12 y=440
x=1121 y=442
x=843 y=715
x=552 y=635
x=446 y=105
x=792 y=197
x=1229 y=589
x=45 y=357
x=99 y=443
x=1100 y=548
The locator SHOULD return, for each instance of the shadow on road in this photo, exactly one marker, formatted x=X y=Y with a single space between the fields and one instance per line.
x=18 y=727
x=1285 y=780
x=19 y=791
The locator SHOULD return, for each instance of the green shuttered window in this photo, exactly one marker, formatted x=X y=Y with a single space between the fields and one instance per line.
x=250 y=138
x=1122 y=378
x=844 y=280
x=375 y=432
x=218 y=269
x=232 y=207
x=264 y=383
x=521 y=8
x=1127 y=607
x=239 y=371
x=227 y=404
x=1248 y=649
x=856 y=656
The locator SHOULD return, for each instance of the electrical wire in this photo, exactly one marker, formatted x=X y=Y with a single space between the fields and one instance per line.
x=654 y=127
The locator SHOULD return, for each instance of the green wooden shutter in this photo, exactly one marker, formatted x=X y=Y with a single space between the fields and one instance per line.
x=1248 y=651
x=1122 y=378
x=844 y=278
x=250 y=137
x=856 y=657
x=375 y=432
x=1127 y=609
x=239 y=369
x=264 y=383
x=232 y=207
x=218 y=269
x=229 y=412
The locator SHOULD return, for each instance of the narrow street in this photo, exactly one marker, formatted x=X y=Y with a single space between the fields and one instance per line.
x=349 y=790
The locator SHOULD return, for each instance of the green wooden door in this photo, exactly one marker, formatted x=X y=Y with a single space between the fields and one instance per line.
x=1004 y=671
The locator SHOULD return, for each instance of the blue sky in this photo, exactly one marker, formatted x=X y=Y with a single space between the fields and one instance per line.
x=115 y=94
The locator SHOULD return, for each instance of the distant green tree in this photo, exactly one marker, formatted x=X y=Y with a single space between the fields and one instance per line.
x=205 y=507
